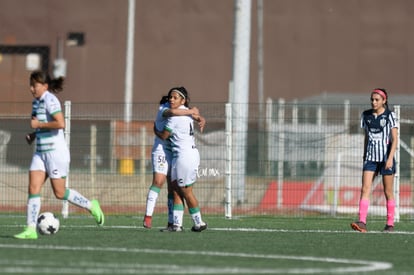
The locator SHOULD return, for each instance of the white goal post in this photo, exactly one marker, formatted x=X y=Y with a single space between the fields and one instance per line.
x=397 y=110
x=68 y=107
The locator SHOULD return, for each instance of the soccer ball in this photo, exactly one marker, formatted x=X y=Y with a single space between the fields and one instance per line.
x=47 y=223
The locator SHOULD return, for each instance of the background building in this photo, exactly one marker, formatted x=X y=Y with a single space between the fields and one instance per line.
x=310 y=47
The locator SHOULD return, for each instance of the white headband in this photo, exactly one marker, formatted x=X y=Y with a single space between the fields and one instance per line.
x=178 y=92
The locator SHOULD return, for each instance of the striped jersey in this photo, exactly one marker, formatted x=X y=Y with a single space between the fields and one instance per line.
x=378 y=131
x=181 y=133
x=43 y=109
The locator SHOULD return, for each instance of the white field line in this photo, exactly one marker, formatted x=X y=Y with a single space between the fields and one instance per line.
x=31 y=267
x=263 y=230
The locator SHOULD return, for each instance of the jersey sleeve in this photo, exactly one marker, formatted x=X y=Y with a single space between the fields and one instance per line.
x=362 y=122
x=164 y=108
x=393 y=120
x=53 y=105
x=169 y=126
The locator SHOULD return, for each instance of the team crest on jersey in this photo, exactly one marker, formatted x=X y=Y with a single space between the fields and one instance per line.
x=383 y=122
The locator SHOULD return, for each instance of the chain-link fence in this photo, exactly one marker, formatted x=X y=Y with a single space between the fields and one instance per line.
x=300 y=159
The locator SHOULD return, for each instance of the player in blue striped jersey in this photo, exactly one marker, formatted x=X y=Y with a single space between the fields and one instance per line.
x=381 y=132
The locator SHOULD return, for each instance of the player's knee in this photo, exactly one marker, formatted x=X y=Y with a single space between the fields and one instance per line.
x=59 y=194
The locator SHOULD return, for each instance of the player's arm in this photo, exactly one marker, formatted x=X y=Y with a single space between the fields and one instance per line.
x=394 y=135
x=201 y=121
x=58 y=122
x=193 y=112
x=161 y=134
x=180 y=112
x=365 y=145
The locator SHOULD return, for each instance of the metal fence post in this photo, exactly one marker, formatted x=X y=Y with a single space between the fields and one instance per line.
x=68 y=106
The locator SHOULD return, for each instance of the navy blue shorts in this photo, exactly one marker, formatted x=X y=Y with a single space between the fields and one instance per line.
x=378 y=167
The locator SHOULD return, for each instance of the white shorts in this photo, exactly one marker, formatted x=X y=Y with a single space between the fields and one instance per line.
x=161 y=161
x=185 y=167
x=54 y=163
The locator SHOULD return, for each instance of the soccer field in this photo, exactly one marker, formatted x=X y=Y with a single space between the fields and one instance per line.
x=243 y=245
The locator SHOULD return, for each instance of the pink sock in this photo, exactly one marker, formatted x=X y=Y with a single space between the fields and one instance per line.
x=363 y=210
x=390 y=212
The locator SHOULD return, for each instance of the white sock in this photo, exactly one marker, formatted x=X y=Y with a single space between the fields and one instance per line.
x=151 y=201
x=33 y=210
x=77 y=199
x=196 y=216
x=178 y=214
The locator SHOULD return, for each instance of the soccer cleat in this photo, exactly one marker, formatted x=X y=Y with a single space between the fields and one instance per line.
x=147 y=223
x=199 y=228
x=359 y=226
x=97 y=213
x=172 y=228
x=168 y=228
x=388 y=228
x=177 y=228
x=29 y=233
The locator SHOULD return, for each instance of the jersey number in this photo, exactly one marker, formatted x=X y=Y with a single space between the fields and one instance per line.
x=161 y=159
x=191 y=130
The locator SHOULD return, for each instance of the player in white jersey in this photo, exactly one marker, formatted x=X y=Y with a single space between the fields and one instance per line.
x=51 y=158
x=381 y=131
x=180 y=132
x=161 y=162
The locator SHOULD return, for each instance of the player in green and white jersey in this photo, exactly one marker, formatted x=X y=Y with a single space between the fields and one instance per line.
x=51 y=158
x=179 y=130
x=161 y=162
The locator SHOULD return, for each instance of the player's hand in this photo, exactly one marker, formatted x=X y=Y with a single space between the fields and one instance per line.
x=30 y=137
x=201 y=123
x=388 y=164
x=34 y=123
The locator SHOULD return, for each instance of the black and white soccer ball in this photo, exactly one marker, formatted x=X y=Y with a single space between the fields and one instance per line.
x=47 y=223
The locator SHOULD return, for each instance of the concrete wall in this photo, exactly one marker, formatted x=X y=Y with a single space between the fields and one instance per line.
x=310 y=47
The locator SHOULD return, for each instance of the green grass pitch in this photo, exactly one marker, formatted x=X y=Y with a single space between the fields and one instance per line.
x=242 y=245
